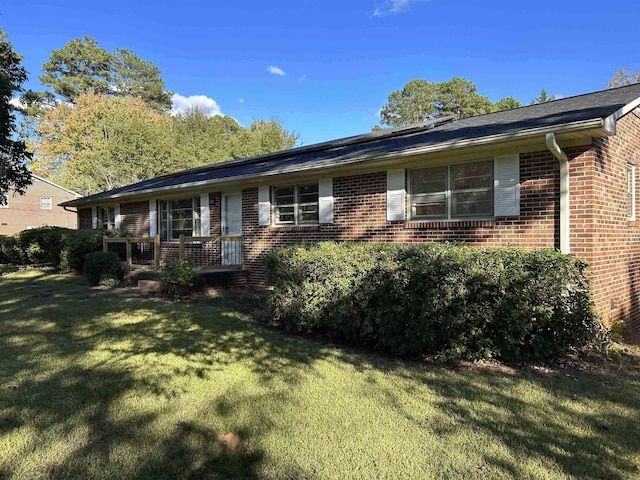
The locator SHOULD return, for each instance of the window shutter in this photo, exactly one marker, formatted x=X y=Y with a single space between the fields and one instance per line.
x=395 y=195
x=118 y=219
x=325 y=200
x=153 y=219
x=264 y=206
x=205 y=217
x=94 y=217
x=507 y=185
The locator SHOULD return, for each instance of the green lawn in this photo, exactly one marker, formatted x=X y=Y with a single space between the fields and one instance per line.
x=94 y=384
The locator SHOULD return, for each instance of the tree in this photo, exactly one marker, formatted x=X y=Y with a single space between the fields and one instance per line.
x=14 y=174
x=140 y=78
x=201 y=140
x=416 y=102
x=81 y=66
x=104 y=142
x=421 y=100
x=543 y=97
x=623 y=76
x=507 y=103
x=264 y=136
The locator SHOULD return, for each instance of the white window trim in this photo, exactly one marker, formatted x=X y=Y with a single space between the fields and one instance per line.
x=50 y=201
x=632 y=168
x=195 y=211
x=449 y=197
x=296 y=205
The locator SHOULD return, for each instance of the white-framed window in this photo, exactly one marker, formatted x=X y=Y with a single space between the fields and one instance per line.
x=106 y=218
x=179 y=216
x=452 y=191
x=631 y=191
x=296 y=204
x=46 y=203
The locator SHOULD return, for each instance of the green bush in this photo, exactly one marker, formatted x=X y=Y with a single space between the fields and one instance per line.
x=177 y=278
x=449 y=300
x=41 y=245
x=103 y=268
x=78 y=243
x=9 y=251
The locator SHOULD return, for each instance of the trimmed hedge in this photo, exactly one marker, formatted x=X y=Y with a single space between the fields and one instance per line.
x=453 y=301
x=177 y=278
x=62 y=247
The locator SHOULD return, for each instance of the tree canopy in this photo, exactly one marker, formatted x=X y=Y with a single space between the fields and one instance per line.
x=14 y=174
x=421 y=100
x=104 y=142
x=623 y=76
x=82 y=66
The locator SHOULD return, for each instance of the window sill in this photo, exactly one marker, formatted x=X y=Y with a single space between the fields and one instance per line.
x=296 y=228
x=432 y=224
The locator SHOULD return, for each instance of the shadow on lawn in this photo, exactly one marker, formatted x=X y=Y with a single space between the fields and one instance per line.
x=595 y=444
x=56 y=322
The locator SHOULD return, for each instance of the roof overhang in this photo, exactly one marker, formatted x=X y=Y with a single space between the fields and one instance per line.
x=583 y=130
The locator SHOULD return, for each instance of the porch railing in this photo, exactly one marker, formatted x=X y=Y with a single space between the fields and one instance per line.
x=136 y=251
x=205 y=252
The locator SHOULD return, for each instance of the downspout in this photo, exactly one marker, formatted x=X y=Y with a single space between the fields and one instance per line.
x=552 y=145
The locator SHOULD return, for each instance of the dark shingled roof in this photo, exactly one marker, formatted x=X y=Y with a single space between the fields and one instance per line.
x=591 y=106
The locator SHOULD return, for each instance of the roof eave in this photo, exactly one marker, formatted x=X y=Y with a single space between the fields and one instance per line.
x=596 y=125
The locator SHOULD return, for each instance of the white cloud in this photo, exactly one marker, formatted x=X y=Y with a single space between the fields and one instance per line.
x=303 y=77
x=275 y=70
x=241 y=100
x=208 y=105
x=393 y=7
x=17 y=103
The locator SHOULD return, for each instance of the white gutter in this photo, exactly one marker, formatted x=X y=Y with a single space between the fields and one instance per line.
x=565 y=219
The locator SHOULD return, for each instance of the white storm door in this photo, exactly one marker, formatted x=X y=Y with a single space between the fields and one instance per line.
x=231 y=227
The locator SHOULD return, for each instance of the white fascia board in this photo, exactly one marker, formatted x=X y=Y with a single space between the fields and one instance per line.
x=610 y=122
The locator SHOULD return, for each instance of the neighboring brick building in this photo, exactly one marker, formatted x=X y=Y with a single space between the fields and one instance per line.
x=558 y=175
x=38 y=207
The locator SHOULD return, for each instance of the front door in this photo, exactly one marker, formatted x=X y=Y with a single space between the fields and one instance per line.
x=231 y=227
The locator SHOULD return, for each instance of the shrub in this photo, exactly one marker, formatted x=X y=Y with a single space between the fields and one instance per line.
x=76 y=244
x=103 y=268
x=177 y=278
x=9 y=251
x=440 y=299
x=41 y=245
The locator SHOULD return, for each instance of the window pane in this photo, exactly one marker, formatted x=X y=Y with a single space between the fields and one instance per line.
x=163 y=220
x=431 y=205
x=429 y=180
x=285 y=196
x=285 y=214
x=308 y=213
x=181 y=218
x=308 y=193
x=475 y=175
x=477 y=203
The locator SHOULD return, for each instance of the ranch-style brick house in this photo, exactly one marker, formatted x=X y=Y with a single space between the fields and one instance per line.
x=557 y=175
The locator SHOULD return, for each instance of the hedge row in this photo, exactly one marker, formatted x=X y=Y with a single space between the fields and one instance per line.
x=435 y=299
x=61 y=247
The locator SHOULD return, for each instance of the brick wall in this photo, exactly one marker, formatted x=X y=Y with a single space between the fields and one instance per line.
x=23 y=211
x=602 y=234
x=134 y=218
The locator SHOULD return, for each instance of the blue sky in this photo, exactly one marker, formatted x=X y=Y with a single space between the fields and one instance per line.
x=325 y=68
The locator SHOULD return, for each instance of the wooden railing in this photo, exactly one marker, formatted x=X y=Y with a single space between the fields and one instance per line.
x=140 y=257
x=205 y=252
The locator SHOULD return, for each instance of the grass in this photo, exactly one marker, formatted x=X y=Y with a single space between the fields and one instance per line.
x=95 y=384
